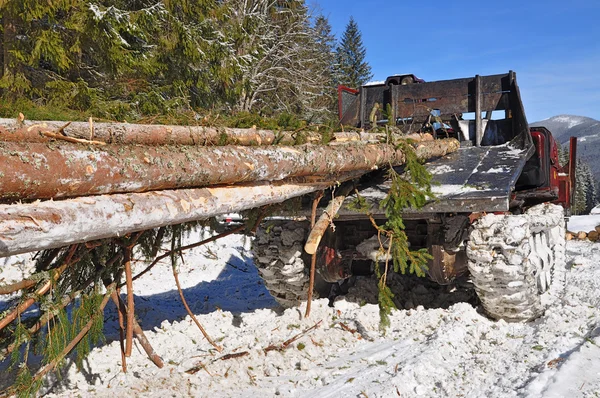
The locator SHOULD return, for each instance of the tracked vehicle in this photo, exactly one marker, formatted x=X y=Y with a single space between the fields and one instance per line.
x=498 y=216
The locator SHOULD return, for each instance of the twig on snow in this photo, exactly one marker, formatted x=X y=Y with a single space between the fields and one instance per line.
x=234 y=355
x=198 y=367
x=286 y=344
x=191 y=314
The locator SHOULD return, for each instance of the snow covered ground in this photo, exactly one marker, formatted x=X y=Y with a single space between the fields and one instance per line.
x=438 y=345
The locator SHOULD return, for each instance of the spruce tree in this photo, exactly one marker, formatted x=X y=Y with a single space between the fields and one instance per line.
x=352 y=69
x=326 y=45
x=126 y=59
x=585 y=190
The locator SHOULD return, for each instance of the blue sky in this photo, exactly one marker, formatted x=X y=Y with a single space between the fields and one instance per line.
x=554 y=46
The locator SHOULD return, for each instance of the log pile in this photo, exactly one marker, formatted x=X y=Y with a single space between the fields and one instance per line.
x=123 y=178
x=592 y=236
x=94 y=190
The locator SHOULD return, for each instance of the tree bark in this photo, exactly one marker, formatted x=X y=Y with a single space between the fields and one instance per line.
x=37 y=226
x=126 y=133
x=60 y=170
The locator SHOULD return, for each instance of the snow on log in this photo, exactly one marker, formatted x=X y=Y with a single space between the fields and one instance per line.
x=60 y=170
x=154 y=134
x=44 y=225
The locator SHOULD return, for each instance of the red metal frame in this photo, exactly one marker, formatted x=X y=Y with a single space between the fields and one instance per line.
x=339 y=91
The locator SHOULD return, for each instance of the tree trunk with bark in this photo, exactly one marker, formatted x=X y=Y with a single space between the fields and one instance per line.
x=59 y=170
x=149 y=134
x=144 y=134
x=2 y=51
x=49 y=224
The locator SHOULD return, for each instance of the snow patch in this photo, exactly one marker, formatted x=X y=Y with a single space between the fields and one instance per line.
x=442 y=169
x=438 y=343
x=584 y=223
x=571 y=121
x=451 y=189
x=374 y=83
x=496 y=170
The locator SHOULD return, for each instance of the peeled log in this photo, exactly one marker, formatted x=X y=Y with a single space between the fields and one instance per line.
x=50 y=224
x=59 y=170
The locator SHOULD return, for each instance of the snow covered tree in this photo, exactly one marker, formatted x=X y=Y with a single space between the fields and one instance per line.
x=586 y=190
x=325 y=45
x=270 y=48
x=122 y=59
x=585 y=195
x=352 y=69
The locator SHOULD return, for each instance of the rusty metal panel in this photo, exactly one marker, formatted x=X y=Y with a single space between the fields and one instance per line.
x=407 y=107
x=451 y=96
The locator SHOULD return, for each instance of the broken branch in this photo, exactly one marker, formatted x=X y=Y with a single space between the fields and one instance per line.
x=191 y=314
x=130 y=302
x=77 y=338
x=286 y=344
x=318 y=230
x=58 y=136
x=313 y=258
x=40 y=292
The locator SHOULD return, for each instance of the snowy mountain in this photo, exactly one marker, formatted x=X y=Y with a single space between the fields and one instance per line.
x=565 y=126
x=587 y=131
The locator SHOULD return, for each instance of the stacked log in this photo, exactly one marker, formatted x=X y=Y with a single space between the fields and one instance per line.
x=592 y=236
x=99 y=180
x=60 y=170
